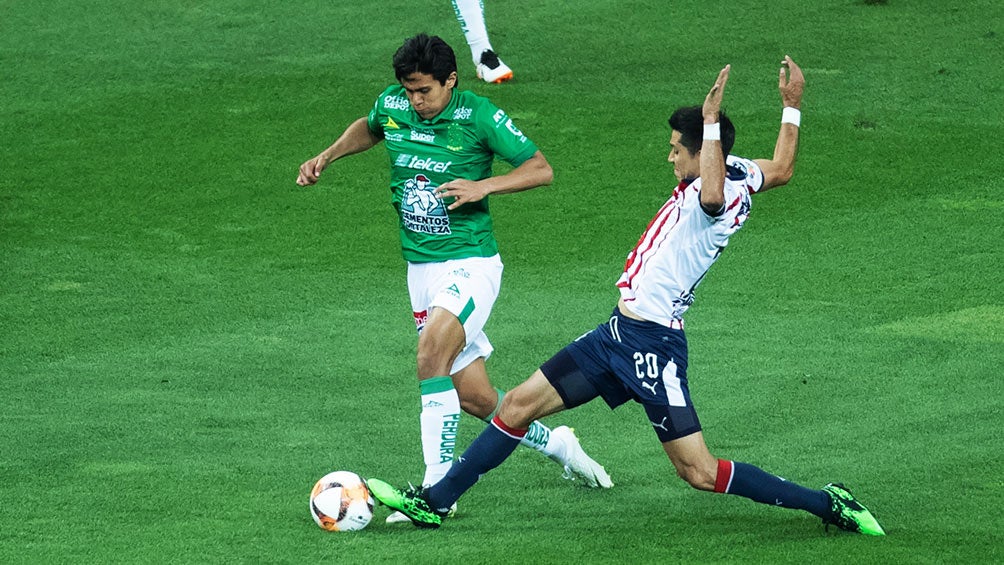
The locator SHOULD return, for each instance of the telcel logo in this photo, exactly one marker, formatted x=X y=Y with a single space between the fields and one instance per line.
x=414 y=162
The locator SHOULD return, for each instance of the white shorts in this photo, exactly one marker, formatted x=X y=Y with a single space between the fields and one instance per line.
x=465 y=287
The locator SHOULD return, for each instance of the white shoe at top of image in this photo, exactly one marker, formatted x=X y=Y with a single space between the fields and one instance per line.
x=492 y=69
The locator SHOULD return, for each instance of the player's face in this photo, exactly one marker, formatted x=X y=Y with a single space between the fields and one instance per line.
x=686 y=165
x=427 y=96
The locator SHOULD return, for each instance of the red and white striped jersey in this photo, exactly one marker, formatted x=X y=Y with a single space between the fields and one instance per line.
x=682 y=242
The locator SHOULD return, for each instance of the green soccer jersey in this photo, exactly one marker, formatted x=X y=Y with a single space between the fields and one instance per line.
x=460 y=143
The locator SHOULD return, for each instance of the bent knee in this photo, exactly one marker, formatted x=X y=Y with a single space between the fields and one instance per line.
x=434 y=363
x=515 y=413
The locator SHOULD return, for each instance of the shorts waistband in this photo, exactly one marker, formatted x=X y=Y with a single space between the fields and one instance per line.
x=646 y=324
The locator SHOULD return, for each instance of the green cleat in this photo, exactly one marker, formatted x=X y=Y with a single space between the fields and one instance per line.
x=849 y=514
x=408 y=502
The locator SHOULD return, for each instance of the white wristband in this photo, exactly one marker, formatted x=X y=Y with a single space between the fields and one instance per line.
x=713 y=132
x=791 y=116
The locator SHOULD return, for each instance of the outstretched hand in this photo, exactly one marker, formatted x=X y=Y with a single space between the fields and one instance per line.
x=791 y=84
x=713 y=101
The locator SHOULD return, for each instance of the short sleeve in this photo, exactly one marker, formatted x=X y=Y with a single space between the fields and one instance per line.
x=502 y=136
x=736 y=206
x=373 y=119
x=752 y=173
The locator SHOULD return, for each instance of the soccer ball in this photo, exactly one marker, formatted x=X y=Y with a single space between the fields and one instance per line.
x=341 y=502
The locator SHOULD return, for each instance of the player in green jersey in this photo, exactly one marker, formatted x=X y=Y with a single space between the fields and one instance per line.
x=441 y=142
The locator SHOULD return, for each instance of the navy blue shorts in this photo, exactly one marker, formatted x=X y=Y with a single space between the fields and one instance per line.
x=626 y=359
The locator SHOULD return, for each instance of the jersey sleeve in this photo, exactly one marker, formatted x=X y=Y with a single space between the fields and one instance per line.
x=752 y=173
x=374 y=120
x=502 y=137
x=737 y=205
x=735 y=209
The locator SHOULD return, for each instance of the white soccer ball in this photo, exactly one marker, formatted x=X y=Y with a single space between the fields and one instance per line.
x=341 y=502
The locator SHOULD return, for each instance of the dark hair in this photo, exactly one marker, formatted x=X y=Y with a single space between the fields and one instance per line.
x=689 y=121
x=426 y=55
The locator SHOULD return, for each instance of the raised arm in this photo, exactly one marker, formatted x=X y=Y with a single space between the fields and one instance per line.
x=355 y=139
x=778 y=171
x=712 y=160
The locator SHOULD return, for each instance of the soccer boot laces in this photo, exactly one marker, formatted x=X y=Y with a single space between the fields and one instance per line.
x=848 y=514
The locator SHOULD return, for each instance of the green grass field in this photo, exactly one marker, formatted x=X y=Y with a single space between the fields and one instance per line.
x=188 y=340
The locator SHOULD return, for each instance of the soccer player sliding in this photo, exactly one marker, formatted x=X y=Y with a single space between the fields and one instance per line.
x=640 y=353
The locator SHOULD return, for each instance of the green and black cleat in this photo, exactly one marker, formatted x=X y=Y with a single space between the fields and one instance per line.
x=849 y=514
x=409 y=502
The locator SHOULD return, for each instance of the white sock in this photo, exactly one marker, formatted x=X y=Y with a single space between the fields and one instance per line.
x=471 y=15
x=439 y=421
x=539 y=437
